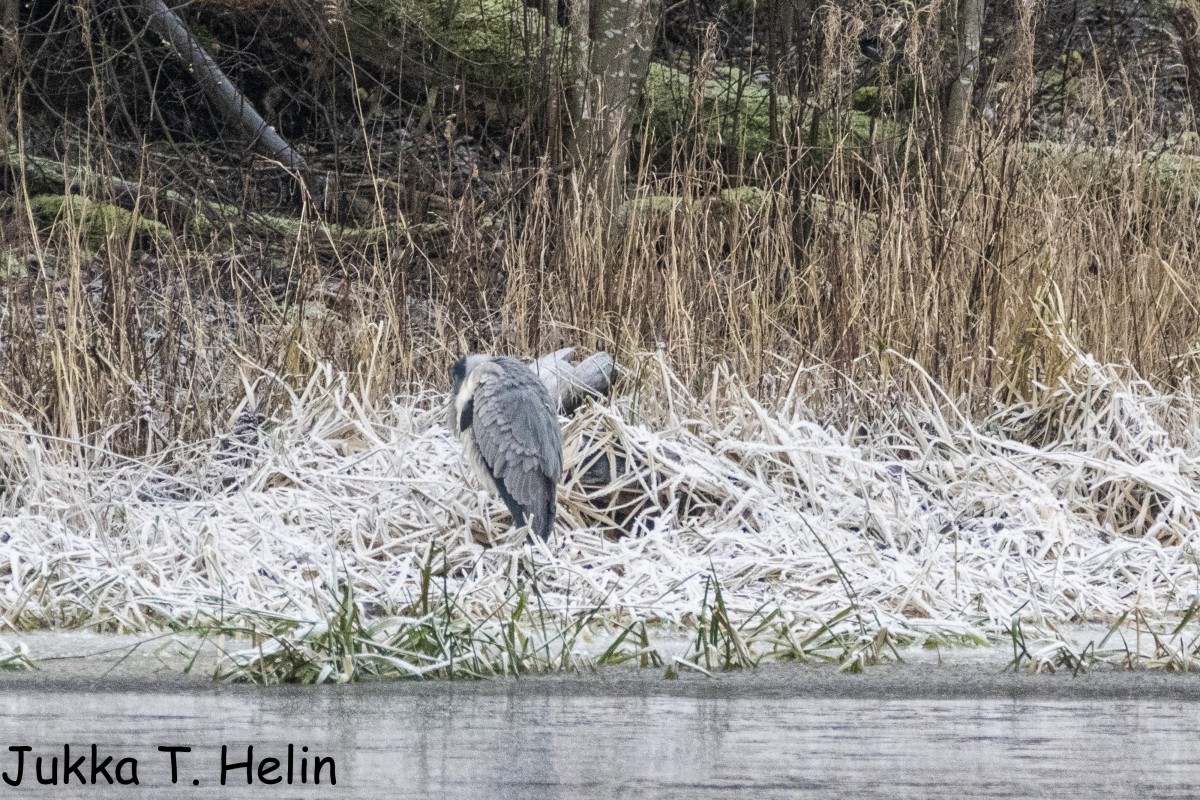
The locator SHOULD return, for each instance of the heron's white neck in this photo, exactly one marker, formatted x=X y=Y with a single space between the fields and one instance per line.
x=465 y=392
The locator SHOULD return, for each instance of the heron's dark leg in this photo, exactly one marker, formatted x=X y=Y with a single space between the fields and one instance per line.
x=518 y=516
x=543 y=522
x=514 y=508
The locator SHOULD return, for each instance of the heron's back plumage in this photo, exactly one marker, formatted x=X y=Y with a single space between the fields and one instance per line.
x=509 y=428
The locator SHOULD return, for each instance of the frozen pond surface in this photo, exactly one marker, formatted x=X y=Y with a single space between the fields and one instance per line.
x=909 y=732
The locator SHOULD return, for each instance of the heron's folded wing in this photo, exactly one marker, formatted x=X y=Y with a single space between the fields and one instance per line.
x=518 y=435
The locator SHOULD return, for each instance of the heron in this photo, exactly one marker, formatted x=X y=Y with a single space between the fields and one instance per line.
x=508 y=426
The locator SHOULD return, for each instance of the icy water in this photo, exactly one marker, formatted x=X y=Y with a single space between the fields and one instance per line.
x=784 y=735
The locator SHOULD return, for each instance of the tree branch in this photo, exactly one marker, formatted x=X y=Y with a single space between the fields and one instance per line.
x=227 y=101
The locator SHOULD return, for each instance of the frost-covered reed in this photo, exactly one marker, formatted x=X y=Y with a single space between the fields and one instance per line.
x=830 y=508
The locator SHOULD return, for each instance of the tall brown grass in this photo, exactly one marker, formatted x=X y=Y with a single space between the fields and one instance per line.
x=845 y=254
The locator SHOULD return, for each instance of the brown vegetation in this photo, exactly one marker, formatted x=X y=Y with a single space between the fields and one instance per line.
x=819 y=225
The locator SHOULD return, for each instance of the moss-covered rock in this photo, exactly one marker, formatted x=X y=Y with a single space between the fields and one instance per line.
x=747 y=197
x=734 y=115
x=870 y=100
x=98 y=223
x=865 y=99
x=734 y=111
x=493 y=44
x=208 y=221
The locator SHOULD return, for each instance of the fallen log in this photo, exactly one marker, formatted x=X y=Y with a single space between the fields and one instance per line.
x=570 y=384
x=609 y=474
x=183 y=214
x=227 y=101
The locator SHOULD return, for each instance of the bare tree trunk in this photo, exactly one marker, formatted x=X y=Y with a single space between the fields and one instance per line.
x=1186 y=21
x=610 y=48
x=552 y=75
x=10 y=79
x=968 y=29
x=579 y=30
x=227 y=101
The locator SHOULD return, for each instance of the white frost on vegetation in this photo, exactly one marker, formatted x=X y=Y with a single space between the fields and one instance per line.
x=1078 y=507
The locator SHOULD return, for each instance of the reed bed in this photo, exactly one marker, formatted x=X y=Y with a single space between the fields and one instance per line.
x=782 y=529
x=883 y=389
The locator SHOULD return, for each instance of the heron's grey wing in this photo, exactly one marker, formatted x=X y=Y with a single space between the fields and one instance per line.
x=518 y=436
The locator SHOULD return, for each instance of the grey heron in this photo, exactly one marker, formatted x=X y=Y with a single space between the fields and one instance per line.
x=507 y=423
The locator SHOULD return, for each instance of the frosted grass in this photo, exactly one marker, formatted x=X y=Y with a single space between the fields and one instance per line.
x=891 y=511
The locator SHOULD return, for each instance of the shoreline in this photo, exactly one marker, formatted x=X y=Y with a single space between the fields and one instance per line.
x=131 y=664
